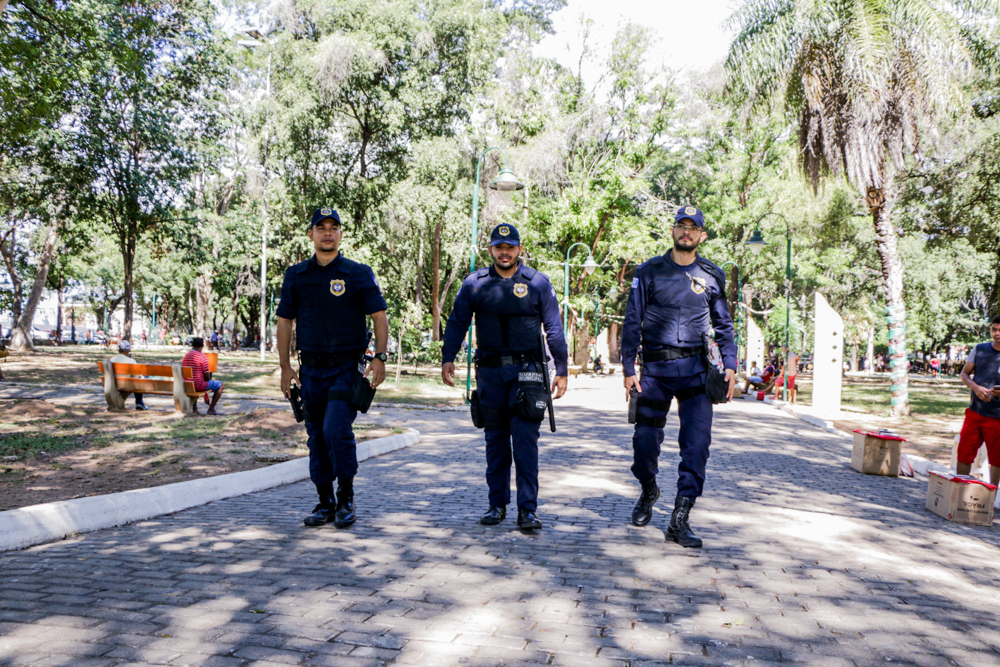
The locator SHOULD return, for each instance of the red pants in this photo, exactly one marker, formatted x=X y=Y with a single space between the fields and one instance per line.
x=977 y=429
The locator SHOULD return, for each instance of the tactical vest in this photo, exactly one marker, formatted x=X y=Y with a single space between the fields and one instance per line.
x=508 y=312
x=987 y=374
x=677 y=311
x=331 y=317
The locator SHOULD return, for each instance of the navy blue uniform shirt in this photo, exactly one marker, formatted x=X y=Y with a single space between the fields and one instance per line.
x=329 y=304
x=509 y=313
x=673 y=306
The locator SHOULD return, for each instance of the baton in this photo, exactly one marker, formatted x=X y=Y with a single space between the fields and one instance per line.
x=545 y=374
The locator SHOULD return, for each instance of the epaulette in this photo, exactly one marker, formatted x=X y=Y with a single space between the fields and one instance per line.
x=709 y=267
x=480 y=273
x=300 y=267
x=528 y=272
x=348 y=265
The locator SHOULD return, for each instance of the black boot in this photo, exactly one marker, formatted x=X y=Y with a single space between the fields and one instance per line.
x=494 y=516
x=526 y=520
x=345 y=504
x=643 y=510
x=679 y=530
x=322 y=513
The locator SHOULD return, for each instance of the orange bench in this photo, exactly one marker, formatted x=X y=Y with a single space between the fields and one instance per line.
x=175 y=380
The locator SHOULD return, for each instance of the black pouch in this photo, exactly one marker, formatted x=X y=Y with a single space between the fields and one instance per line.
x=633 y=405
x=362 y=394
x=532 y=399
x=716 y=386
x=298 y=406
x=477 y=415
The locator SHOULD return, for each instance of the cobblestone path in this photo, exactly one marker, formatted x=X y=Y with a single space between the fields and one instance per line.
x=806 y=562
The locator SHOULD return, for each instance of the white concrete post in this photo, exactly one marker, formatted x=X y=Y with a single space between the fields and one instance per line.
x=755 y=345
x=828 y=359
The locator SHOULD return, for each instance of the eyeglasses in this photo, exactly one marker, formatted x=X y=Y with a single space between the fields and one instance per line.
x=687 y=228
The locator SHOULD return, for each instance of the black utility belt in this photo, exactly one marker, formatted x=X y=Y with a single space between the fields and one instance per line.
x=500 y=361
x=671 y=353
x=330 y=360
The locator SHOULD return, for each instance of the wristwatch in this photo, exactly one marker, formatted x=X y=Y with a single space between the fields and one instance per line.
x=382 y=356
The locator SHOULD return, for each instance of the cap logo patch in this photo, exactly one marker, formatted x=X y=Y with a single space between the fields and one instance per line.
x=690 y=210
x=698 y=285
x=337 y=287
x=504 y=231
x=326 y=211
x=520 y=290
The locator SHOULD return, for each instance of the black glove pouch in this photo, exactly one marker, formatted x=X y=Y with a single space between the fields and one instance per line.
x=633 y=405
x=477 y=415
x=362 y=394
x=716 y=386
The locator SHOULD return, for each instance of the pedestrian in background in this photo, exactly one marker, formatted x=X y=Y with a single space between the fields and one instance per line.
x=981 y=374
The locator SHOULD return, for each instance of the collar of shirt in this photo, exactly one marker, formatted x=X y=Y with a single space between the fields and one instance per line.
x=494 y=274
x=332 y=265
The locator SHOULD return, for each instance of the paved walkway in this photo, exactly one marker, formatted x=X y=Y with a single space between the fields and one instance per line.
x=806 y=562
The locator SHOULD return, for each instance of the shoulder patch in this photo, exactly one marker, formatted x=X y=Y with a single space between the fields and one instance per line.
x=635 y=282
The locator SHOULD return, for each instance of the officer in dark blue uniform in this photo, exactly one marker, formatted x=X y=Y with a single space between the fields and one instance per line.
x=511 y=303
x=674 y=300
x=328 y=296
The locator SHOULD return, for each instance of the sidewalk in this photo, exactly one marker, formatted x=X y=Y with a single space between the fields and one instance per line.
x=806 y=562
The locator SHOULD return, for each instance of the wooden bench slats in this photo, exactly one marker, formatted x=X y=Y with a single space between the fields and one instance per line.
x=149 y=379
x=149 y=369
x=146 y=386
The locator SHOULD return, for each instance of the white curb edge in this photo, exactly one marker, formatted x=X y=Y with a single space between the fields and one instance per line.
x=36 y=524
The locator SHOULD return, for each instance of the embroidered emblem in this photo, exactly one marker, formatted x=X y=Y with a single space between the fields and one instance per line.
x=337 y=287
x=690 y=210
x=635 y=283
x=520 y=290
x=698 y=285
x=504 y=231
x=326 y=211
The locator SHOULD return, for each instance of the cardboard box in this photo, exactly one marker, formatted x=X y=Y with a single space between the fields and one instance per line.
x=961 y=498
x=876 y=453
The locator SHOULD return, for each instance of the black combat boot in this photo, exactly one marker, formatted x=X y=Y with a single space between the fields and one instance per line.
x=493 y=516
x=323 y=513
x=643 y=510
x=345 y=504
x=526 y=520
x=679 y=531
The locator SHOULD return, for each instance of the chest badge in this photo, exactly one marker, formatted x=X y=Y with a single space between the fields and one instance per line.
x=520 y=290
x=698 y=285
x=337 y=287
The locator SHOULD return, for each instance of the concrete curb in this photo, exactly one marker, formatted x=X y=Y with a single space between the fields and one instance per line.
x=36 y=524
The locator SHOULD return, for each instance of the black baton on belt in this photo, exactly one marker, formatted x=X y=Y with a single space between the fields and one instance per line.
x=545 y=376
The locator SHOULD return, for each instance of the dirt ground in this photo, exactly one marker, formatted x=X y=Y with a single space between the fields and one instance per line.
x=49 y=452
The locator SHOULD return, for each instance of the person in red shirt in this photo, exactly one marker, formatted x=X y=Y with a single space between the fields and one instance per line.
x=196 y=360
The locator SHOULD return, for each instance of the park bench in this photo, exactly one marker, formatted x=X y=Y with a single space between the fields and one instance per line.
x=175 y=380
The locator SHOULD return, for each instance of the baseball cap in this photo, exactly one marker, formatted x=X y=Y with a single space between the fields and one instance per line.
x=124 y=346
x=321 y=214
x=691 y=213
x=505 y=233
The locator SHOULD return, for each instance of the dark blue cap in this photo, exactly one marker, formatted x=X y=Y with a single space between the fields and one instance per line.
x=691 y=213
x=321 y=214
x=505 y=234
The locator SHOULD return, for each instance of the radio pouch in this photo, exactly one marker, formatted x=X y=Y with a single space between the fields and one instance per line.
x=298 y=407
x=531 y=400
x=477 y=416
x=484 y=416
x=633 y=405
x=362 y=394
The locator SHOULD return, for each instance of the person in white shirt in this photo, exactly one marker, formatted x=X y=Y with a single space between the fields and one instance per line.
x=124 y=348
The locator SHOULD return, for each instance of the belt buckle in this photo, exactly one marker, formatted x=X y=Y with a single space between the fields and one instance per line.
x=507 y=361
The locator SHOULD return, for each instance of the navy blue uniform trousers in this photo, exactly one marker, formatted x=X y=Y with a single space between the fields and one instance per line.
x=332 y=450
x=518 y=443
x=695 y=414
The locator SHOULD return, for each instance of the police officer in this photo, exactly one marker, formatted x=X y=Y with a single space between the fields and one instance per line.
x=674 y=299
x=511 y=303
x=328 y=296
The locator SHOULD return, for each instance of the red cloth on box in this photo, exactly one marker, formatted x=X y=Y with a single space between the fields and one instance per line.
x=977 y=429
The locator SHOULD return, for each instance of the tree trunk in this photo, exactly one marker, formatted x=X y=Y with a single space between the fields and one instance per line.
x=870 y=351
x=614 y=351
x=854 y=355
x=7 y=251
x=436 y=285
x=581 y=335
x=203 y=294
x=59 y=312
x=20 y=335
x=886 y=242
x=128 y=259
x=3 y=6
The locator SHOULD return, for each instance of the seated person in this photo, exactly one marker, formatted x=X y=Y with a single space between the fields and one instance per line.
x=196 y=360
x=598 y=364
x=760 y=381
x=124 y=349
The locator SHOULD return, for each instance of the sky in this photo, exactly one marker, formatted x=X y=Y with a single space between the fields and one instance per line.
x=691 y=33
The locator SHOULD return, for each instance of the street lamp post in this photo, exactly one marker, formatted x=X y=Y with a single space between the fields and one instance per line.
x=259 y=40
x=505 y=182
x=588 y=268
x=72 y=325
x=757 y=244
x=739 y=311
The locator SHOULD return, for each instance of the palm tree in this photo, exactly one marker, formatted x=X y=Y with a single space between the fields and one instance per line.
x=865 y=81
